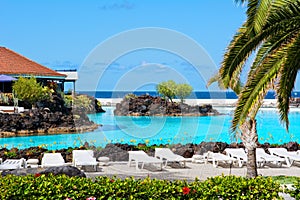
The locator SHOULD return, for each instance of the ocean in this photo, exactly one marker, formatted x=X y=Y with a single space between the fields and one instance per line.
x=194 y=95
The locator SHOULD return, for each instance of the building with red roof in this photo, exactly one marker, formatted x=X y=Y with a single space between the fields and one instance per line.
x=16 y=65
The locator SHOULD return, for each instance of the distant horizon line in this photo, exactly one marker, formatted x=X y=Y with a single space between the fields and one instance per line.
x=156 y=91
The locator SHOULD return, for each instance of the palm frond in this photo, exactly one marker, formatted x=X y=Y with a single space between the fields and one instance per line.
x=216 y=78
x=240 y=1
x=242 y=46
x=256 y=87
x=257 y=14
x=275 y=42
x=284 y=10
x=288 y=76
x=236 y=55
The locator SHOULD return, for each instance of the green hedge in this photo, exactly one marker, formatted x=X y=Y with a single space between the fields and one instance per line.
x=62 y=187
x=296 y=191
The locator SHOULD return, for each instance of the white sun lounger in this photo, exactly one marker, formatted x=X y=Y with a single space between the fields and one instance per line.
x=216 y=158
x=143 y=158
x=260 y=152
x=10 y=164
x=241 y=156
x=197 y=158
x=84 y=158
x=52 y=160
x=165 y=154
x=289 y=156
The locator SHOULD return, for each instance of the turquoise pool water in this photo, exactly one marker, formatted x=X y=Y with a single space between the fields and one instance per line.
x=162 y=130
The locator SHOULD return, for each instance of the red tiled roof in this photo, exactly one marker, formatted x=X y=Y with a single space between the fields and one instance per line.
x=15 y=64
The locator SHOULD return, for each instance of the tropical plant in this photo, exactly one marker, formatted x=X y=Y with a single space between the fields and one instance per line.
x=272 y=33
x=28 y=89
x=167 y=89
x=183 y=90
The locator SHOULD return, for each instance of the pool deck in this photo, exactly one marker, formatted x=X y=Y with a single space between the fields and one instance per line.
x=193 y=170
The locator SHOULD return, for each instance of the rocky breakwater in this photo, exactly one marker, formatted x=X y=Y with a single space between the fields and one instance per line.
x=43 y=121
x=147 y=105
x=50 y=116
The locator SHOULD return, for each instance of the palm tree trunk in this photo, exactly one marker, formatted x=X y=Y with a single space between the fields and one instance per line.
x=250 y=139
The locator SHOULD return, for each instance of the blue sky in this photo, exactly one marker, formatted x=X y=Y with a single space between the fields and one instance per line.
x=64 y=34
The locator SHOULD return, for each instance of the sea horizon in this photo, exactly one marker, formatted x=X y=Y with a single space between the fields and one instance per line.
x=106 y=94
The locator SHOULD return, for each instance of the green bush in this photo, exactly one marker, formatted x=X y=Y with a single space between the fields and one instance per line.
x=60 y=187
x=28 y=89
x=296 y=191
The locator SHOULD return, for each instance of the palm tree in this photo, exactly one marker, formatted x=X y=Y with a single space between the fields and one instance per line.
x=272 y=33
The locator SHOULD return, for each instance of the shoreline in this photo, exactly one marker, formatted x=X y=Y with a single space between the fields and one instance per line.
x=214 y=102
x=50 y=131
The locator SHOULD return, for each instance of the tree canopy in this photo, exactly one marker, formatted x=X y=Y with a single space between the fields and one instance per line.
x=170 y=89
x=183 y=90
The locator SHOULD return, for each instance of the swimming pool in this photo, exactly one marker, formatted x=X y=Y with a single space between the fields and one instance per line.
x=163 y=130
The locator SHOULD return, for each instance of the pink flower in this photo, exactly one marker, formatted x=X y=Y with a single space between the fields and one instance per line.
x=91 y=198
x=68 y=198
x=186 y=190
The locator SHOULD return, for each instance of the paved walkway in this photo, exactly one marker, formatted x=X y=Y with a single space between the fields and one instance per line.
x=192 y=171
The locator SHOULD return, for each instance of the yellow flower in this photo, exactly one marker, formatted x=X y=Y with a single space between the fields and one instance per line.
x=133 y=141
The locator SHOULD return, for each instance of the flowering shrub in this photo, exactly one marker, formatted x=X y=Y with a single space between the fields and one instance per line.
x=72 y=188
x=186 y=190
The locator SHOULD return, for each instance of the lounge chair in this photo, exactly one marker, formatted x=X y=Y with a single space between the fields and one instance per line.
x=216 y=158
x=52 y=160
x=289 y=156
x=84 y=158
x=241 y=156
x=165 y=154
x=143 y=158
x=197 y=158
x=10 y=164
x=260 y=152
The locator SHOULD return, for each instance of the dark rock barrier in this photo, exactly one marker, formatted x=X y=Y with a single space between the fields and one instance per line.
x=147 y=105
x=43 y=121
x=118 y=152
x=51 y=116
